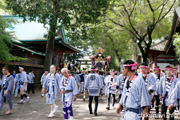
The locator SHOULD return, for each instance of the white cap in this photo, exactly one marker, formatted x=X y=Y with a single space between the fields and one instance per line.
x=21 y=68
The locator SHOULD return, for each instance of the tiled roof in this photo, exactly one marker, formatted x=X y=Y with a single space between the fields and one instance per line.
x=159 y=46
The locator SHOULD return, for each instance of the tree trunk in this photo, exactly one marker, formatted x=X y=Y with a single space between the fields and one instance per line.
x=50 y=43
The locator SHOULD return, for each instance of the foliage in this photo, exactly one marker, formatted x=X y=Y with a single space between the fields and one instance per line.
x=72 y=14
x=176 y=43
x=144 y=20
x=116 y=44
x=6 y=39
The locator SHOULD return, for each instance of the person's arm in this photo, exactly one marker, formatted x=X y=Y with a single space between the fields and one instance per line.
x=42 y=77
x=143 y=94
x=175 y=94
x=159 y=90
x=75 y=88
x=152 y=86
x=119 y=109
x=44 y=85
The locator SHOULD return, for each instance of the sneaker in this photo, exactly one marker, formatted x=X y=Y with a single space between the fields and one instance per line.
x=95 y=114
x=42 y=95
x=28 y=99
x=51 y=115
x=157 y=116
x=55 y=108
x=20 y=102
x=84 y=99
x=71 y=118
x=90 y=112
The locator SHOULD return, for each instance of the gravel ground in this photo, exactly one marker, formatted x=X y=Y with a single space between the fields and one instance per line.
x=38 y=110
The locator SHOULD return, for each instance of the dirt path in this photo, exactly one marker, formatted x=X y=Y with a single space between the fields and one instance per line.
x=38 y=110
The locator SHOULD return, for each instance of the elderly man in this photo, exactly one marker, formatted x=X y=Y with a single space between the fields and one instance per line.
x=51 y=84
x=69 y=90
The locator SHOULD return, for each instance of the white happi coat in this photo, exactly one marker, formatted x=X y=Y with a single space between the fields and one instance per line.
x=164 y=87
x=43 y=78
x=111 y=87
x=121 y=82
x=174 y=95
x=93 y=84
x=56 y=84
x=135 y=97
x=23 y=79
x=157 y=78
x=68 y=84
x=150 y=83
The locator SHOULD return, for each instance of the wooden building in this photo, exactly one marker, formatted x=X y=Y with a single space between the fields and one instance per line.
x=163 y=52
x=30 y=43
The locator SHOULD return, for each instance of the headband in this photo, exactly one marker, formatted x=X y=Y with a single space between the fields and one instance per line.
x=93 y=69
x=133 y=66
x=143 y=66
x=175 y=69
x=168 y=69
x=157 y=69
x=112 y=71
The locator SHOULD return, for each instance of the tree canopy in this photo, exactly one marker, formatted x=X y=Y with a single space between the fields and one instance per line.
x=144 y=20
x=72 y=14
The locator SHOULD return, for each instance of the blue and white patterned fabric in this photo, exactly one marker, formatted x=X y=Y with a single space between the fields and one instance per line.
x=135 y=97
x=23 y=79
x=43 y=78
x=111 y=83
x=68 y=84
x=165 y=88
x=157 y=78
x=121 y=82
x=150 y=83
x=93 y=84
x=31 y=78
x=52 y=83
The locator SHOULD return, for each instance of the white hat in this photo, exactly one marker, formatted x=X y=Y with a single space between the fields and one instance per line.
x=21 y=68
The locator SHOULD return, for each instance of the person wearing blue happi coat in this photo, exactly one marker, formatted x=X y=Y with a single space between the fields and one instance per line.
x=69 y=90
x=31 y=81
x=120 y=84
x=93 y=85
x=157 y=75
x=165 y=88
x=23 y=85
x=134 y=99
x=7 y=84
x=111 y=83
x=149 y=80
x=52 y=86
x=43 y=78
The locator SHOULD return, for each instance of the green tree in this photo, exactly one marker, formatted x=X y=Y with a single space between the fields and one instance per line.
x=116 y=44
x=55 y=13
x=6 y=37
x=144 y=20
x=176 y=43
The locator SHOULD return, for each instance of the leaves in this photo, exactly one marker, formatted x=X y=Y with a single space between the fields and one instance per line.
x=176 y=43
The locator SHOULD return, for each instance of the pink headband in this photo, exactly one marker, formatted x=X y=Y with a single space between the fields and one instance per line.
x=133 y=66
x=156 y=68
x=111 y=71
x=168 y=69
x=143 y=66
x=93 y=69
x=175 y=69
